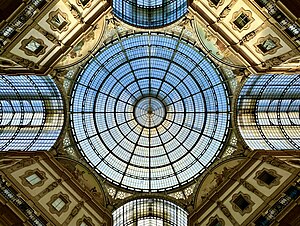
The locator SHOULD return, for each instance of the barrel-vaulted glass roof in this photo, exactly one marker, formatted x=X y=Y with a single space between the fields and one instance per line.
x=149 y=13
x=150 y=212
x=150 y=112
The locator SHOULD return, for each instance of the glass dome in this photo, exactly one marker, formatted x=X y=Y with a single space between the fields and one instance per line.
x=149 y=13
x=150 y=112
x=150 y=211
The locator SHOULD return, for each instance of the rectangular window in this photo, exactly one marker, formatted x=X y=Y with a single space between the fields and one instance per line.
x=266 y=177
x=59 y=203
x=84 y=2
x=58 y=21
x=34 y=46
x=215 y=2
x=267 y=45
x=34 y=178
x=216 y=222
x=241 y=21
x=241 y=202
x=85 y=223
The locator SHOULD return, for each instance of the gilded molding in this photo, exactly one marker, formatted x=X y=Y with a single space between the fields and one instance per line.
x=251 y=188
x=64 y=208
x=227 y=213
x=85 y=219
x=40 y=173
x=210 y=2
x=73 y=213
x=51 y=187
x=273 y=173
x=261 y=40
x=53 y=14
x=28 y=52
x=221 y=222
x=236 y=15
x=247 y=198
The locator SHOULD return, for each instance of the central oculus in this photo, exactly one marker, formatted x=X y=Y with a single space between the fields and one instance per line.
x=149 y=112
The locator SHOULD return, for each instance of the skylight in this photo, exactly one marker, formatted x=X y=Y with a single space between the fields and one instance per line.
x=150 y=112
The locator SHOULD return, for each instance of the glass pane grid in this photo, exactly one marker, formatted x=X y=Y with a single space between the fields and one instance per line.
x=146 y=118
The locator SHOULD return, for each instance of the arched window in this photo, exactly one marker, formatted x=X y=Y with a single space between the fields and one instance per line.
x=31 y=113
x=150 y=211
x=268 y=112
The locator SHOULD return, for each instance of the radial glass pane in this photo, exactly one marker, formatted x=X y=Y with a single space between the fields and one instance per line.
x=151 y=122
x=149 y=13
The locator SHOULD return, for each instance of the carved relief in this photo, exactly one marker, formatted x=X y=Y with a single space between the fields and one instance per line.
x=74 y=212
x=37 y=180
x=241 y=20
x=252 y=34
x=33 y=46
x=58 y=21
x=278 y=163
x=74 y=11
x=49 y=36
x=251 y=188
x=267 y=177
x=276 y=61
x=267 y=45
x=242 y=203
x=227 y=10
x=5 y=163
x=22 y=164
x=23 y=62
x=226 y=212
x=51 y=187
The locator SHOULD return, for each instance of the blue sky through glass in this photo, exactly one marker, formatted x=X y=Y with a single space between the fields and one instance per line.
x=150 y=112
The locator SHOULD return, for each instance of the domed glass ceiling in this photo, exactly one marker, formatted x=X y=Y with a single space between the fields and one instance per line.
x=150 y=112
x=149 y=13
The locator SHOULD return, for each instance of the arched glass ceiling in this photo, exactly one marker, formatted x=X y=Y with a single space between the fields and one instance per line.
x=150 y=112
x=268 y=112
x=31 y=113
x=150 y=211
x=149 y=13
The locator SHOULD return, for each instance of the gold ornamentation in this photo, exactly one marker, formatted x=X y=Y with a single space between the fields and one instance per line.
x=40 y=174
x=33 y=46
x=58 y=21
x=212 y=3
x=242 y=203
x=241 y=20
x=267 y=177
x=87 y=220
x=267 y=45
x=84 y=3
x=65 y=199
x=216 y=220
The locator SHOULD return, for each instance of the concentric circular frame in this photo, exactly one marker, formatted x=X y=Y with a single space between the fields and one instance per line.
x=151 y=13
x=170 y=154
